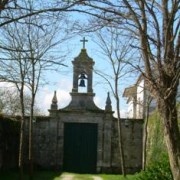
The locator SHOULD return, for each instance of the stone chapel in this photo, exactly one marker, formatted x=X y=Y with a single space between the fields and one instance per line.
x=83 y=138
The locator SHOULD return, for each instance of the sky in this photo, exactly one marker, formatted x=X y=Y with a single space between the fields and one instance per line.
x=62 y=82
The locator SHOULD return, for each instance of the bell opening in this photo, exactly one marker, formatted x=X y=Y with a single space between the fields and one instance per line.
x=82 y=78
x=82 y=83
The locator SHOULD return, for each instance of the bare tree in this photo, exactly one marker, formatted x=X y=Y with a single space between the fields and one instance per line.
x=29 y=47
x=41 y=61
x=48 y=8
x=10 y=102
x=116 y=52
x=155 y=25
x=19 y=82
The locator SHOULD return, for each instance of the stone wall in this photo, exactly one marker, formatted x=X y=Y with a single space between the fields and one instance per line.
x=9 y=142
x=48 y=138
x=132 y=143
x=44 y=143
x=48 y=141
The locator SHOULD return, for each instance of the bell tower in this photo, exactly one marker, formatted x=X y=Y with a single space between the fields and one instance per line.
x=82 y=79
x=82 y=71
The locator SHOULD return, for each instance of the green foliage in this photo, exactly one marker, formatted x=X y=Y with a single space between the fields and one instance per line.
x=157 y=171
x=155 y=142
x=158 y=167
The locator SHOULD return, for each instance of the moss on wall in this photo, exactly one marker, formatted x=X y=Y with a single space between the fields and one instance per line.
x=155 y=143
x=156 y=148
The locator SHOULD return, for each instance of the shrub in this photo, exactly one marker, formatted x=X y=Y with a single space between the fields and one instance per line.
x=157 y=171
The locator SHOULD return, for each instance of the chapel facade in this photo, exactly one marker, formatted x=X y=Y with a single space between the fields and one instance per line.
x=82 y=137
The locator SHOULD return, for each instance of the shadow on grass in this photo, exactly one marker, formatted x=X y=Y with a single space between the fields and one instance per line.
x=53 y=175
x=38 y=175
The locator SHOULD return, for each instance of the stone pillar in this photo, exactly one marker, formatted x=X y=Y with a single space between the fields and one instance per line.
x=107 y=142
x=89 y=89
x=99 y=147
x=75 y=77
x=60 y=140
x=54 y=105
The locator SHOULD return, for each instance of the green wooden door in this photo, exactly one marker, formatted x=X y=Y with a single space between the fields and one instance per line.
x=80 y=147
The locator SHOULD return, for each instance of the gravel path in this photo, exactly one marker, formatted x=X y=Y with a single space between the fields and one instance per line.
x=97 y=178
x=71 y=177
x=67 y=177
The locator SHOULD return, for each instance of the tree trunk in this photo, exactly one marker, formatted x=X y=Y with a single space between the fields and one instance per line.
x=21 y=142
x=168 y=112
x=145 y=132
x=120 y=142
x=21 y=139
x=31 y=168
x=30 y=147
x=145 y=135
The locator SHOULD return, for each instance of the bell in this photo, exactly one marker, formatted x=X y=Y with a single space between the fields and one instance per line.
x=82 y=83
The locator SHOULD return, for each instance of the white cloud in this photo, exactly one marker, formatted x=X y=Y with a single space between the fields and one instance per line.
x=63 y=88
x=45 y=95
x=99 y=102
x=11 y=87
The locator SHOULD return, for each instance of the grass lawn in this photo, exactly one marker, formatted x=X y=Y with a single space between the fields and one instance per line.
x=50 y=175
x=103 y=176
x=117 y=177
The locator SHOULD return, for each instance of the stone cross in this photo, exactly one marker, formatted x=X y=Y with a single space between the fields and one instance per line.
x=84 y=41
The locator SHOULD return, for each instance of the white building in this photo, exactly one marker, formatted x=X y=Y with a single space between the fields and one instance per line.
x=131 y=95
x=138 y=99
